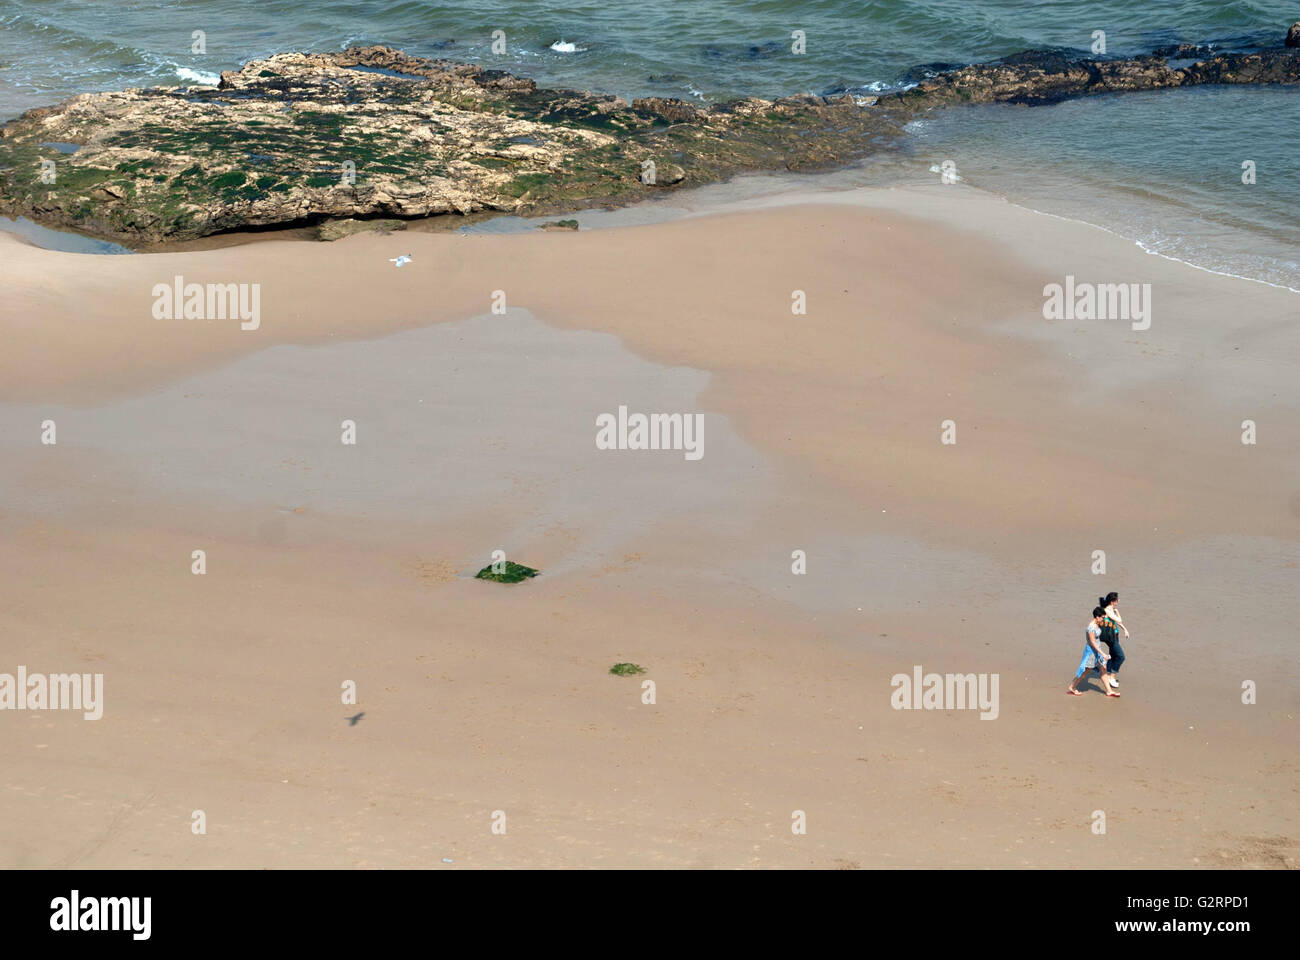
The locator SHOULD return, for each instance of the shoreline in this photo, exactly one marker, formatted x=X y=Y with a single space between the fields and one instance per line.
x=759 y=189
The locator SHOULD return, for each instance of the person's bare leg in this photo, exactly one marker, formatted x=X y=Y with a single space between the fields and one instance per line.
x=1105 y=683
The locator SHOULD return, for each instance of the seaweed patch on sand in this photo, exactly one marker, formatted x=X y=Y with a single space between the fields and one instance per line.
x=510 y=572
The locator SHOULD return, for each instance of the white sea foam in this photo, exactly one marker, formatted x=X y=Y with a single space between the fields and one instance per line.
x=194 y=76
x=1146 y=247
x=563 y=46
x=936 y=168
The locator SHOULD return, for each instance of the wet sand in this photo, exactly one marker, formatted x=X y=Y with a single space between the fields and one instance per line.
x=329 y=562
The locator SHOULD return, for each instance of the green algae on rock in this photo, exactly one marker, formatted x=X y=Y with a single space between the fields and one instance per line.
x=373 y=132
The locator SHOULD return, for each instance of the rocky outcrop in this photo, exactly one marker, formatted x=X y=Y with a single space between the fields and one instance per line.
x=372 y=132
x=1048 y=77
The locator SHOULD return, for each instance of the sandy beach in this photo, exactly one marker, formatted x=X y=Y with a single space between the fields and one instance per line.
x=329 y=562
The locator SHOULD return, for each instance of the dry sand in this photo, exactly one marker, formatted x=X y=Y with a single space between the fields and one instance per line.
x=329 y=563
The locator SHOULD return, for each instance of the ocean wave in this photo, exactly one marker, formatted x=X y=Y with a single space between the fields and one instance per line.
x=1148 y=246
x=194 y=76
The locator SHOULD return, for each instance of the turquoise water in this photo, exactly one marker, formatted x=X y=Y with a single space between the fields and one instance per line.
x=1163 y=169
x=707 y=50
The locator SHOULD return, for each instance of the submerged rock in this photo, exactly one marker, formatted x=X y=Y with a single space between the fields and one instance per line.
x=744 y=51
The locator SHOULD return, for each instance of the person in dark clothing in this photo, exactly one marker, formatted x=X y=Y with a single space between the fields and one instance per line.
x=1111 y=625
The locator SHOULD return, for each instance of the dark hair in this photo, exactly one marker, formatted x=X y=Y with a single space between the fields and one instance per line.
x=1111 y=598
x=1098 y=612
